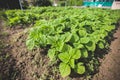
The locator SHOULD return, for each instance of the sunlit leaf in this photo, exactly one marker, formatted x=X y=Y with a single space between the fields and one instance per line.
x=64 y=69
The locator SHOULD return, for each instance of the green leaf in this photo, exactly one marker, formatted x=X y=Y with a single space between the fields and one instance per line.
x=64 y=57
x=30 y=44
x=95 y=37
x=103 y=35
x=84 y=40
x=51 y=40
x=43 y=40
x=59 y=29
x=101 y=45
x=78 y=45
x=51 y=54
x=109 y=28
x=67 y=36
x=59 y=45
x=84 y=53
x=64 y=69
x=91 y=46
x=66 y=47
x=82 y=32
x=80 y=69
x=76 y=54
x=74 y=38
x=72 y=63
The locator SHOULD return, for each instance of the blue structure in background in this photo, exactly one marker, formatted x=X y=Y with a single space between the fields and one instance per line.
x=98 y=3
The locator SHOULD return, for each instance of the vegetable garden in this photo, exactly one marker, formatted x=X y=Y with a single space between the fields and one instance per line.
x=69 y=36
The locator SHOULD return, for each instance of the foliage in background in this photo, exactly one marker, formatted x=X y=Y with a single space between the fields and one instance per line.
x=71 y=35
x=70 y=2
x=74 y=2
x=42 y=3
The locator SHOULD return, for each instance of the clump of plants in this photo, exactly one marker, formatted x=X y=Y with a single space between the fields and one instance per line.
x=71 y=35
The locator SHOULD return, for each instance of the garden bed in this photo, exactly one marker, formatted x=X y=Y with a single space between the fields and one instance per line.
x=28 y=61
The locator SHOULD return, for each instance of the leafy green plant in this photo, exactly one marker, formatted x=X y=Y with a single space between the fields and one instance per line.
x=71 y=35
x=72 y=39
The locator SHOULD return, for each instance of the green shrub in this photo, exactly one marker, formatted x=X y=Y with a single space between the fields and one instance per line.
x=74 y=2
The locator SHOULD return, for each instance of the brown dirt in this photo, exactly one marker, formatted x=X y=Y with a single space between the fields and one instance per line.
x=23 y=64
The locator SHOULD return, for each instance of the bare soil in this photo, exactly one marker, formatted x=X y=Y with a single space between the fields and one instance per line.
x=19 y=63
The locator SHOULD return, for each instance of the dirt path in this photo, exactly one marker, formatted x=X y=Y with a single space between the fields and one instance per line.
x=110 y=67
